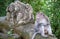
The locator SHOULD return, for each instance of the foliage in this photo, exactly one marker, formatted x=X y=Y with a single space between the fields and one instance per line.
x=49 y=7
x=3 y=6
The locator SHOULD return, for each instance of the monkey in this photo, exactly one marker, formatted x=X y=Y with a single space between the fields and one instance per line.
x=42 y=25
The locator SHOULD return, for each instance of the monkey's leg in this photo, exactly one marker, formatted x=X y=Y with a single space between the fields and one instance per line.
x=42 y=32
x=34 y=35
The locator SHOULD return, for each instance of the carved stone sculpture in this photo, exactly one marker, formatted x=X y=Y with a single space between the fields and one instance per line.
x=18 y=12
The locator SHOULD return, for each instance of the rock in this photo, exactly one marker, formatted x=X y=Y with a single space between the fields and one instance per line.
x=3 y=36
x=2 y=19
x=38 y=36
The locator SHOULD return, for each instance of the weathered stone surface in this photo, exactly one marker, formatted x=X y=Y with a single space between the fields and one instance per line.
x=3 y=36
x=20 y=18
x=19 y=13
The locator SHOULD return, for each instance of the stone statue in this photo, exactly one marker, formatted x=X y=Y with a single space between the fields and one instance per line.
x=20 y=17
x=19 y=13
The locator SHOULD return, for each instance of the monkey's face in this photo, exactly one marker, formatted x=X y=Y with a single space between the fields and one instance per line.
x=46 y=32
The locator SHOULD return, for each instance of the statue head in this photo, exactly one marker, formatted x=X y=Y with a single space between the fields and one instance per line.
x=20 y=12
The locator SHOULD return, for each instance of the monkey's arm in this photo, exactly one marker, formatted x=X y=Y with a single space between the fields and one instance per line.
x=34 y=35
x=36 y=27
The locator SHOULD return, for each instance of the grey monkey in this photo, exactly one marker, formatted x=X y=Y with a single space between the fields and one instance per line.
x=42 y=25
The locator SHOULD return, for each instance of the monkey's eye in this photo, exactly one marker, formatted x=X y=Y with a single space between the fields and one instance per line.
x=40 y=24
x=48 y=24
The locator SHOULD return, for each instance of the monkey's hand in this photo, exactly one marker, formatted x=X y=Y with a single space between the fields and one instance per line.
x=51 y=35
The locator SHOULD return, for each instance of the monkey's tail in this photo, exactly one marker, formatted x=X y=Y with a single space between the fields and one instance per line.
x=34 y=35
